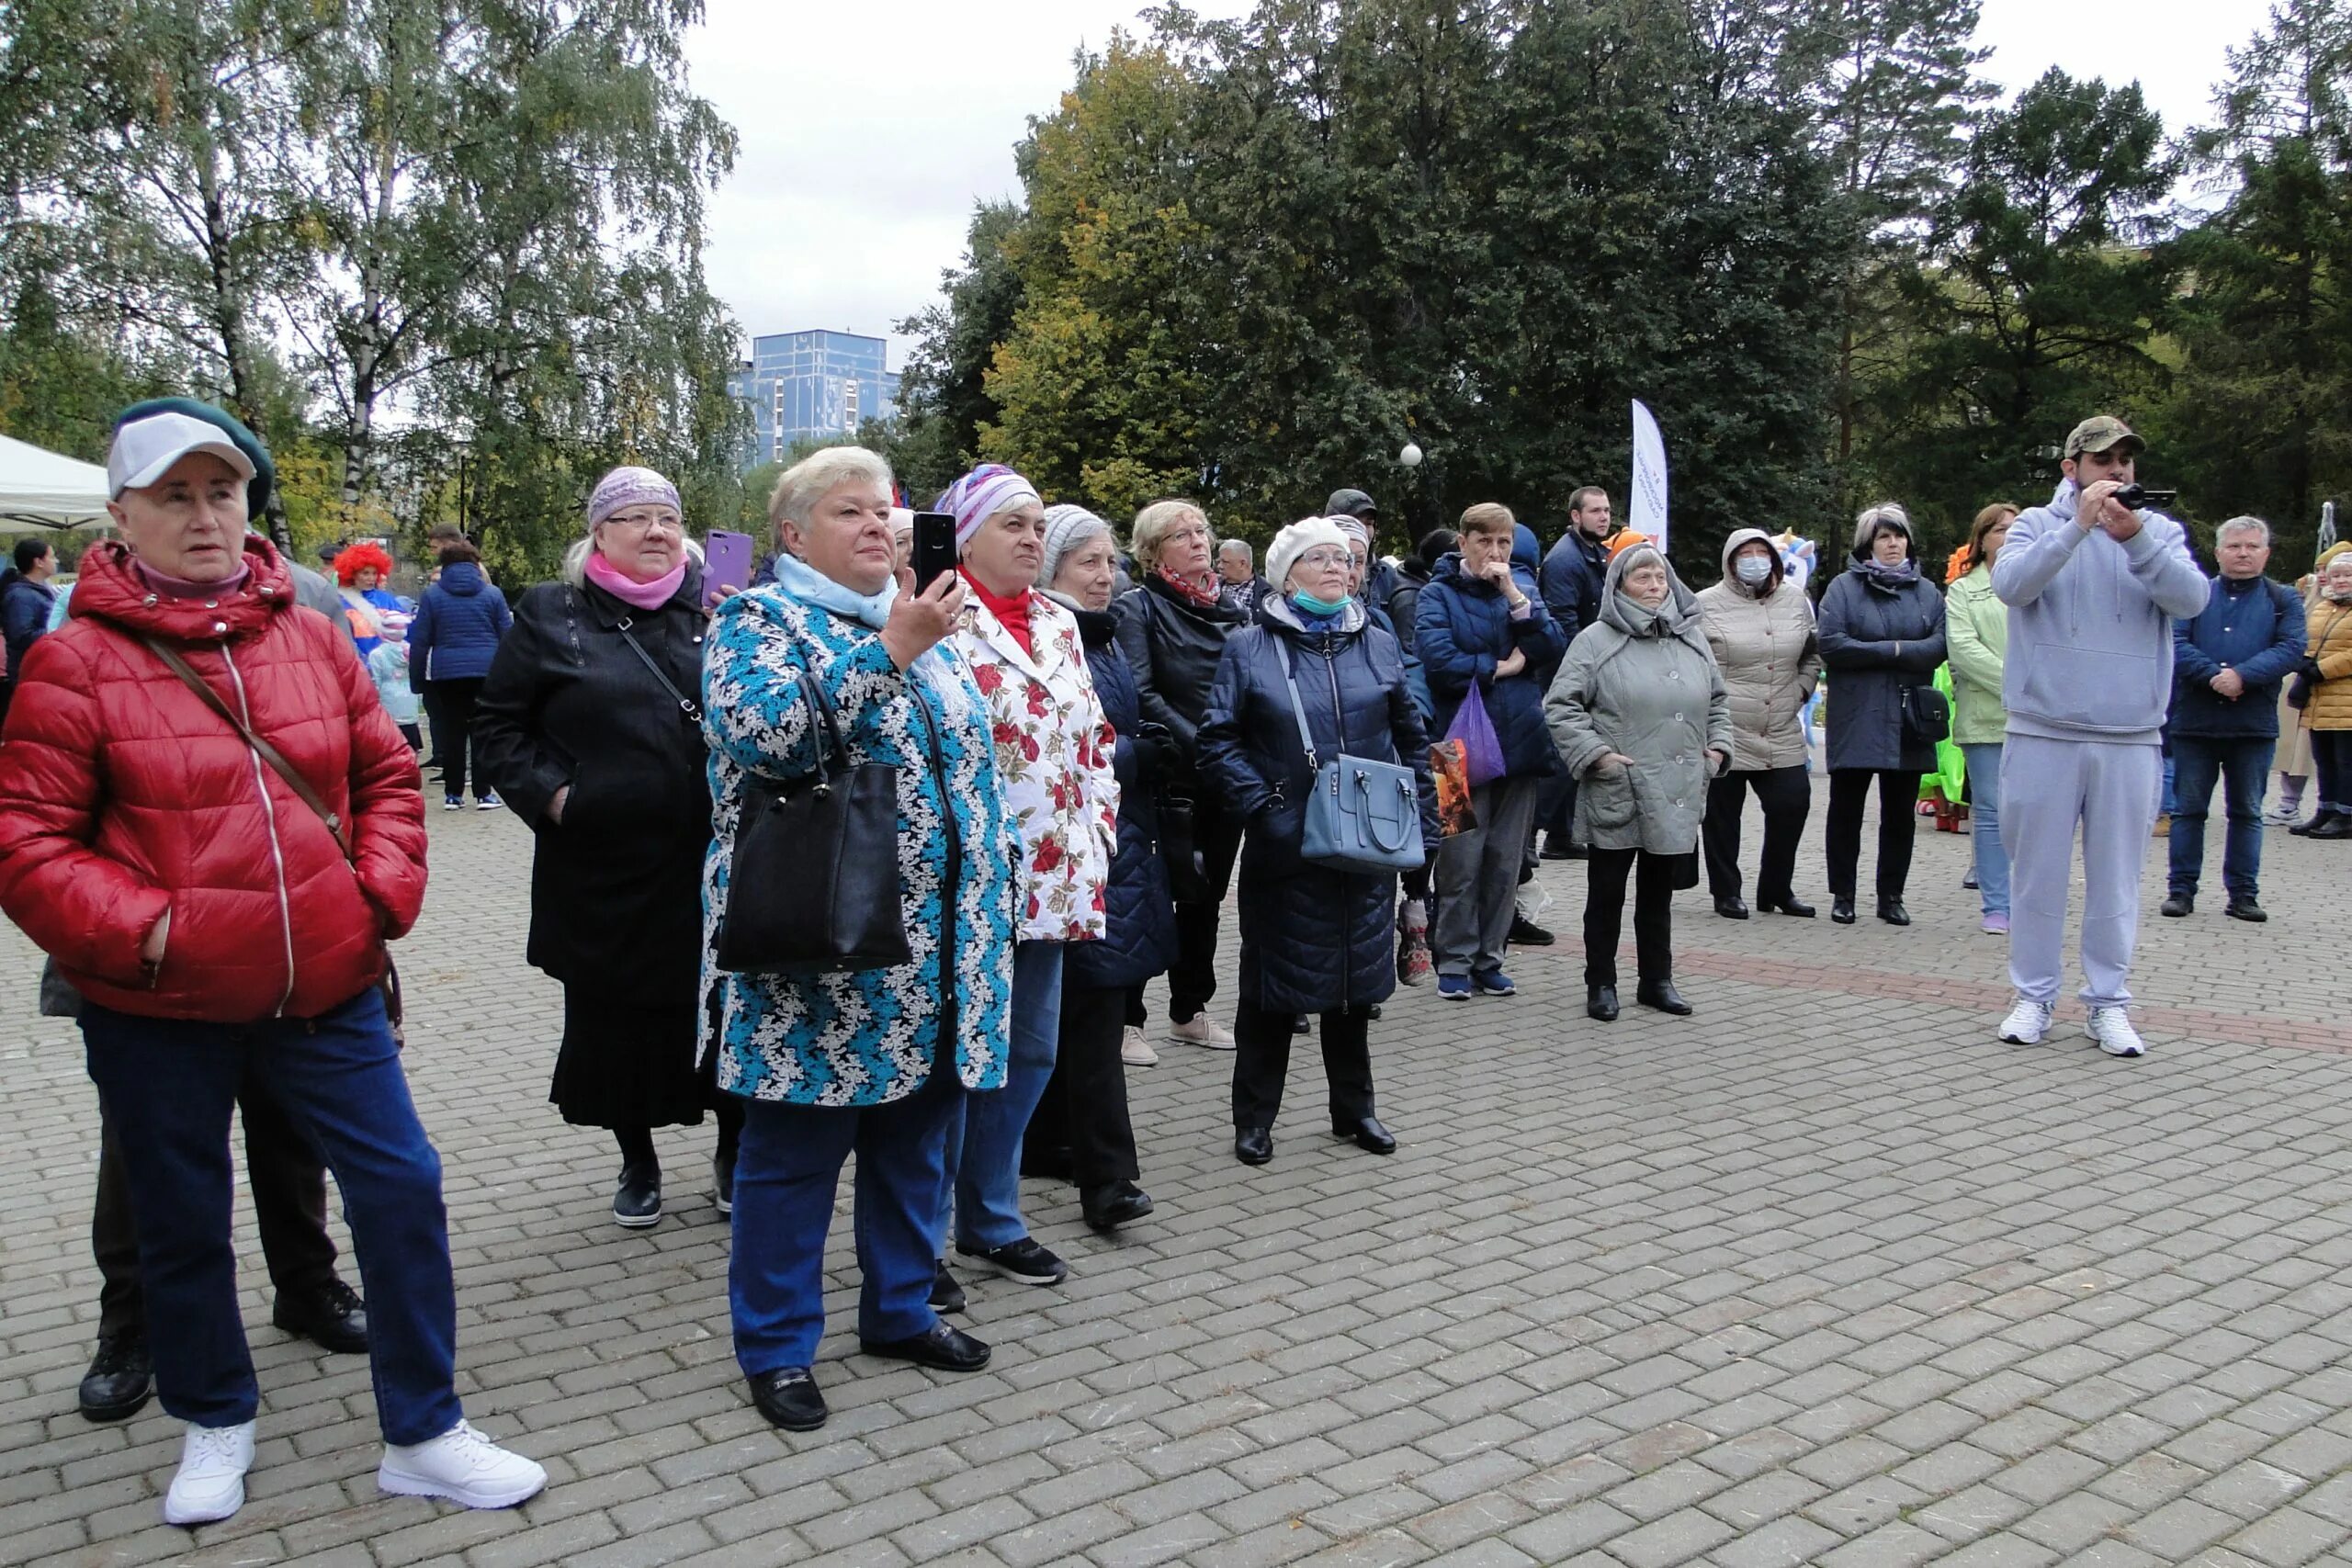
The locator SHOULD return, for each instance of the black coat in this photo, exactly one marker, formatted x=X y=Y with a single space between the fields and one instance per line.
x=1570 y=582
x=617 y=885
x=1312 y=938
x=1139 y=930
x=1860 y=623
x=1172 y=647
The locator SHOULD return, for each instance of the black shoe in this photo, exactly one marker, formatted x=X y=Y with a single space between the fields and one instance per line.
x=1892 y=911
x=722 y=1180
x=788 y=1398
x=1600 y=1002
x=1786 y=907
x=1108 y=1207
x=2176 y=905
x=1842 y=911
x=1372 y=1012
x=1368 y=1135
x=1663 y=996
x=119 y=1379
x=2247 y=910
x=1024 y=1260
x=947 y=1295
x=1556 y=847
x=2337 y=827
x=947 y=1350
x=331 y=1316
x=1253 y=1145
x=637 y=1202
x=1969 y=881
x=2312 y=823
x=1525 y=932
x=1301 y=1024
x=1731 y=908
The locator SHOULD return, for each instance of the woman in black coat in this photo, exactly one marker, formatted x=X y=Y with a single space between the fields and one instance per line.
x=1082 y=1126
x=587 y=725
x=1313 y=939
x=1881 y=632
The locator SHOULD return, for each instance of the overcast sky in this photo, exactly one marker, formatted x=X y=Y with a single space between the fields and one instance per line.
x=869 y=130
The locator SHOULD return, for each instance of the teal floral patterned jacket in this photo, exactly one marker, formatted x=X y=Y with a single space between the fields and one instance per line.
x=871 y=1037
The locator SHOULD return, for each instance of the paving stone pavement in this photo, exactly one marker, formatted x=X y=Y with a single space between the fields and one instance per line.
x=1823 y=1275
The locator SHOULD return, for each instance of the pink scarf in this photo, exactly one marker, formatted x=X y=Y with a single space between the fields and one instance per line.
x=181 y=588
x=627 y=589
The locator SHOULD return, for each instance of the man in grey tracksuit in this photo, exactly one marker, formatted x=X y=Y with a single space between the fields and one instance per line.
x=2092 y=588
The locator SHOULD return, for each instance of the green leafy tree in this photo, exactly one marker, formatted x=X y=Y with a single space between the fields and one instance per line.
x=943 y=397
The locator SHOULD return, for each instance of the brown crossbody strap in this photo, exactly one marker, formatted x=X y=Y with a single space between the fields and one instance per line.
x=261 y=749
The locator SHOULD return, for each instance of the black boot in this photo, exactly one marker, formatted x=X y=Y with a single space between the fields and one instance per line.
x=119 y=1379
x=1661 y=995
x=1842 y=911
x=332 y=1316
x=637 y=1202
x=1112 y=1204
x=1600 y=1002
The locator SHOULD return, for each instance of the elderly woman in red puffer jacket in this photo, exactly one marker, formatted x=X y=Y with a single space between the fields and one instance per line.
x=210 y=823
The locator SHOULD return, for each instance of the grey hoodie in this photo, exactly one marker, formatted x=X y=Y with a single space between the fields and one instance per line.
x=2090 y=623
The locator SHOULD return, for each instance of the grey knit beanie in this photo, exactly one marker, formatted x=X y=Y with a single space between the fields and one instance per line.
x=1067 y=529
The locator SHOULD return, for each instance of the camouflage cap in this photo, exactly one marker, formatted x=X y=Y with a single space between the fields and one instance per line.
x=2098 y=434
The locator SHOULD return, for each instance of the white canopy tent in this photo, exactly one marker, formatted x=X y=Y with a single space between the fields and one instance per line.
x=47 y=489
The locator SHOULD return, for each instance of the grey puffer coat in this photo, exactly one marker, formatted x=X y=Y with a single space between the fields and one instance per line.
x=1763 y=642
x=1642 y=684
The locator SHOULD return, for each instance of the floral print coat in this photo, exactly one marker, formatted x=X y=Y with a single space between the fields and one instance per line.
x=1052 y=764
x=870 y=1037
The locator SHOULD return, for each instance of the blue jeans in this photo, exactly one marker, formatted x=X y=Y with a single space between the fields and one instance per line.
x=786 y=1170
x=2243 y=765
x=166 y=1086
x=982 y=1181
x=1984 y=827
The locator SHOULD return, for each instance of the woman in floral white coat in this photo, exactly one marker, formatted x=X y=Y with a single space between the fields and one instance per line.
x=1052 y=764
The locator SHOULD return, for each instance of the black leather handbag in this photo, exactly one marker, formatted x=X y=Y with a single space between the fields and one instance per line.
x=1927 y=716
x=813 y=886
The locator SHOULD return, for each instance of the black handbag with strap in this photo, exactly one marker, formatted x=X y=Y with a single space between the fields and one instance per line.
x=275 y=760
x=812 y=886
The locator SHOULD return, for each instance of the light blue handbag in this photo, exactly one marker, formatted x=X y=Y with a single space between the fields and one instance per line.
x=1365 y=816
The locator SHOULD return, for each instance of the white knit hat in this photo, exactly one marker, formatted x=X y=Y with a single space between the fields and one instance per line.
x=1294 y=541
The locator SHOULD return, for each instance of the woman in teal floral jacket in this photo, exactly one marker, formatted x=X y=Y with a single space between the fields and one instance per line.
x=877 y=1061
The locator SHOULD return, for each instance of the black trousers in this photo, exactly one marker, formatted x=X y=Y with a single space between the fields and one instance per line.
x=1605 y=875
x=1898 y=821
x=1191 y=979
x=450 y=706
x=289 y=1190
x=1261 y=1062
x=1085 y=1107
x=1786 y=794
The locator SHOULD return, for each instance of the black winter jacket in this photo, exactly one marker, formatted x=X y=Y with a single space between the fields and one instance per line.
x=1172 y=647
x=1139 y=930
x=617 y=885
x=1861 y=624
x=1312 y=938
x=1570 y=582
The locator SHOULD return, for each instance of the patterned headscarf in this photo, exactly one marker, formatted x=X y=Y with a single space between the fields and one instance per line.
x=979 y=495
x=628 y=487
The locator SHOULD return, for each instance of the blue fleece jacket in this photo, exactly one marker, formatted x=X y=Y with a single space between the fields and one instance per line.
x=2090 y=624
x=2256 y=627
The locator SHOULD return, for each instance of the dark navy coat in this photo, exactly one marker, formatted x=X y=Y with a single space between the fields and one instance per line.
x=1139 y=932
x=460 y=623
x=2256 y=628
x=1463 y=628
x=1877 y=639
x=1312 y=938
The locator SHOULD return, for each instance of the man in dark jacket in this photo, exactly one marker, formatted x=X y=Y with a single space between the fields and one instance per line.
x=1236 y=570
x=23 y=607
x=2228 y=661
x=1479 y=630
x=1570 y=582
x=1379 y=577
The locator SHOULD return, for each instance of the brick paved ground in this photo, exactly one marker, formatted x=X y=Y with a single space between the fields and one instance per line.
x=1823 y=1275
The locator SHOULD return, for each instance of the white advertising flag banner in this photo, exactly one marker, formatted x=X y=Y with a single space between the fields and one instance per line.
x=1647 y=499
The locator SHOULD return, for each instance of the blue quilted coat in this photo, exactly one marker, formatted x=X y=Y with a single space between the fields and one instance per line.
x=870 y=1037
x=1139 y=934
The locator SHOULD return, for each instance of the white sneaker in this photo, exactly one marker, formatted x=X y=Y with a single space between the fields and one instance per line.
x=1201 y=1030
x=463 y=1466
x=2111 y=1027
x=211 y=1480
x=1134 y=1050
x=2027 y=1023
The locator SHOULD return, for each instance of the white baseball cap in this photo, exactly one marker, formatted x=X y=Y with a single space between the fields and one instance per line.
x=145 y=449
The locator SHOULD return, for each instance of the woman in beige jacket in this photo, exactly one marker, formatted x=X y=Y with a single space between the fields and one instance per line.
x=1760 y=627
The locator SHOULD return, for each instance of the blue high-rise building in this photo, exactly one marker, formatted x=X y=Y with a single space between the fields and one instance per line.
x=814 y=383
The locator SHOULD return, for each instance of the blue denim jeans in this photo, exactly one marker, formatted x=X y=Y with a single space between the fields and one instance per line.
x=787 y=1170
x=1984 y=827
x=167 y=1085
x=2243 y=765
x=983 y=1180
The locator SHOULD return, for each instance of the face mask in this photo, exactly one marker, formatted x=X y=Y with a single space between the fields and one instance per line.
x=1752 y=570
x=1314 y=606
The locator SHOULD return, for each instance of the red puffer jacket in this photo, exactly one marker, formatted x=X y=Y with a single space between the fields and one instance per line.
x=123 y=795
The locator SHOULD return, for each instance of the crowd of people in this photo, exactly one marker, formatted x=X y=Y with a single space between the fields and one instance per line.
x=1021 y=791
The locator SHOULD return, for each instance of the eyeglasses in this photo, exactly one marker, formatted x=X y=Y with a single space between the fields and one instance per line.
x=1328 y=556
x=646 y=524
x=1178 y=536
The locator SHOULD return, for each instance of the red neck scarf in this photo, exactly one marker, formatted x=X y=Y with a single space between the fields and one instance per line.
x=1012 y=613
x=1206 y=598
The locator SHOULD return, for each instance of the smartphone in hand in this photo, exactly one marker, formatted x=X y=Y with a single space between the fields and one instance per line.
x=725 y=561
x=935 y=546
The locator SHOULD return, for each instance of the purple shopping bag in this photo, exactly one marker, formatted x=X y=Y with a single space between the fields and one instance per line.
x=1482 y=751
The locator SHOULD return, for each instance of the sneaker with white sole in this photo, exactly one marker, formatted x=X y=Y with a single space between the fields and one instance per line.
x=464 y=1467
x=2111 y=1027
x=211 y=1480
x=2027 y=1023
x=490 y=802
x=1203 y=1030
x=1134 y=1050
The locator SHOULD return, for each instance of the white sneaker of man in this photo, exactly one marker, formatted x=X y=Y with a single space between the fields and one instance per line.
x=211 y=1480
x=2111 y=1027
x=1134 y=1050
x=1201 y=1030
x=2027 y=1023
x=462 y=1466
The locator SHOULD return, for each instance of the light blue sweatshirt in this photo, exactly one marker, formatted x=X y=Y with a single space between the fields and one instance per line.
x=2090 y=623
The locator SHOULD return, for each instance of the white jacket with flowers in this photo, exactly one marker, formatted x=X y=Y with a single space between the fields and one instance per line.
x=1053 y=762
